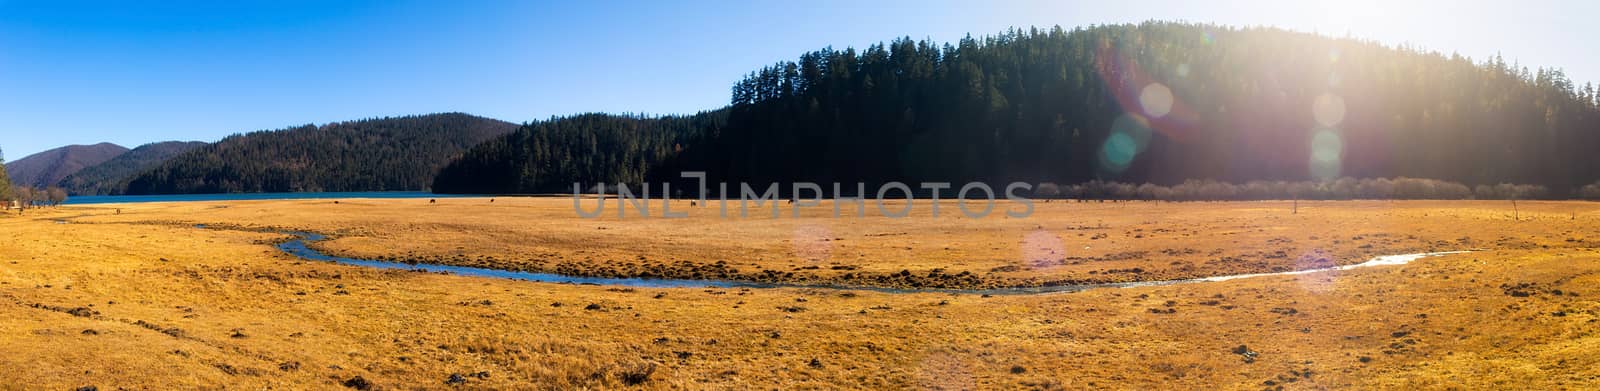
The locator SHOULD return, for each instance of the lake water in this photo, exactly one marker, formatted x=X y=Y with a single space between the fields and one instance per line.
x=83 y=200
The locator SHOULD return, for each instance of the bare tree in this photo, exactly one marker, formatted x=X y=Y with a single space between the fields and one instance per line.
x=41 y=197
x=24 y=197
x=1591 y=191
x=56 y=196
x=1048 y=190
x=1510 y=192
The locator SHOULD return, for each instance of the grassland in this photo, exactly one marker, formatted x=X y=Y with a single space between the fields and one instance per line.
x=142 y=300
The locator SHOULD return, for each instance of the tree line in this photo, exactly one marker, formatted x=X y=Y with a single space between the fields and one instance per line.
x=1339 y=189
x=548 y=156
x=112 y=176
x=1590 y=192
x=1159 y=103
x=23 y=197
x=380 y=154
x=1229 y=104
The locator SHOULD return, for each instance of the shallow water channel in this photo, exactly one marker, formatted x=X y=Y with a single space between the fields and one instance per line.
x=299 y=247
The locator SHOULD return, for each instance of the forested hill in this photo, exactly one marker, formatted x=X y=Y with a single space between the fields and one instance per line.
x=112 y=176
x=548 y=156
x=383 y=154
x=1156 y=102
x=44 y=169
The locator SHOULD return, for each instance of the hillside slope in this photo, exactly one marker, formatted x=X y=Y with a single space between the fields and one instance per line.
x=1155 y=102
x=382 y=154
x=47 y=168
x=112 y=176
x=548 y=156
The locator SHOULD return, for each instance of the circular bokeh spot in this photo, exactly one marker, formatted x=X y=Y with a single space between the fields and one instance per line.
x=1043 y=249
x=813 y=243
x=1118 y=152
x=1327 y=154
x=1328 y=109
x=1136 y=127
x=1156 y=99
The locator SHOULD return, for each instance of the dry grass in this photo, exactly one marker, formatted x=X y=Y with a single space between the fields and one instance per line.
x=1062 y=243
x=178 y=307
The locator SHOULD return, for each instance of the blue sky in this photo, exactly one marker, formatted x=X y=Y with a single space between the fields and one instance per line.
x=80 y=72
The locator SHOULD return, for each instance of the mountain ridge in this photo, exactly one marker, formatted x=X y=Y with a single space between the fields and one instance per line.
x=375 y=154
x=47 y=168
x=111 y=177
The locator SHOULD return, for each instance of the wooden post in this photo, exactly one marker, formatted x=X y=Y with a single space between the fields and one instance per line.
x=1514 y=210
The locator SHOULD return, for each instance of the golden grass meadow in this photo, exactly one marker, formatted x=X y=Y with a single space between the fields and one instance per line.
x=134 y=296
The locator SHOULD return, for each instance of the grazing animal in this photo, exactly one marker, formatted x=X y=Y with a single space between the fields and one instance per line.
x=491 y=200
x=433 y=201
x=692 y=203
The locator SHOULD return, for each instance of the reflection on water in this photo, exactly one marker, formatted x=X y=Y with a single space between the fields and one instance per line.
x=1386 y=260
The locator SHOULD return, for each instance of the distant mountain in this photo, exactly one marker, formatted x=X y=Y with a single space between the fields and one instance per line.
x=112 y=176
x=382 y=154
x=47 y=168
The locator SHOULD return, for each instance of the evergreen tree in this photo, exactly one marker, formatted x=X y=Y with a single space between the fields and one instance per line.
x=112 y=176
x=1157 y=102
x=549 y=156
x=5 y=183
x=381 y=154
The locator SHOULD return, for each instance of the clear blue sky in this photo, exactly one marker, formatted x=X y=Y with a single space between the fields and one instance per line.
x=133 y=72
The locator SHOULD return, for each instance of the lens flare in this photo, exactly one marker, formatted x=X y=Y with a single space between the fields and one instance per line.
x=1316 y=282
x=813 y=243
x=1328 y=109
x=1136 y=127
x=1118 y=152
x=1145 y=95
x=1043 y=249
x=1156 y=99
x=1327 y=154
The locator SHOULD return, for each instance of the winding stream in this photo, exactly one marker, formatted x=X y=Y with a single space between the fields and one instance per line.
x=299 y=247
